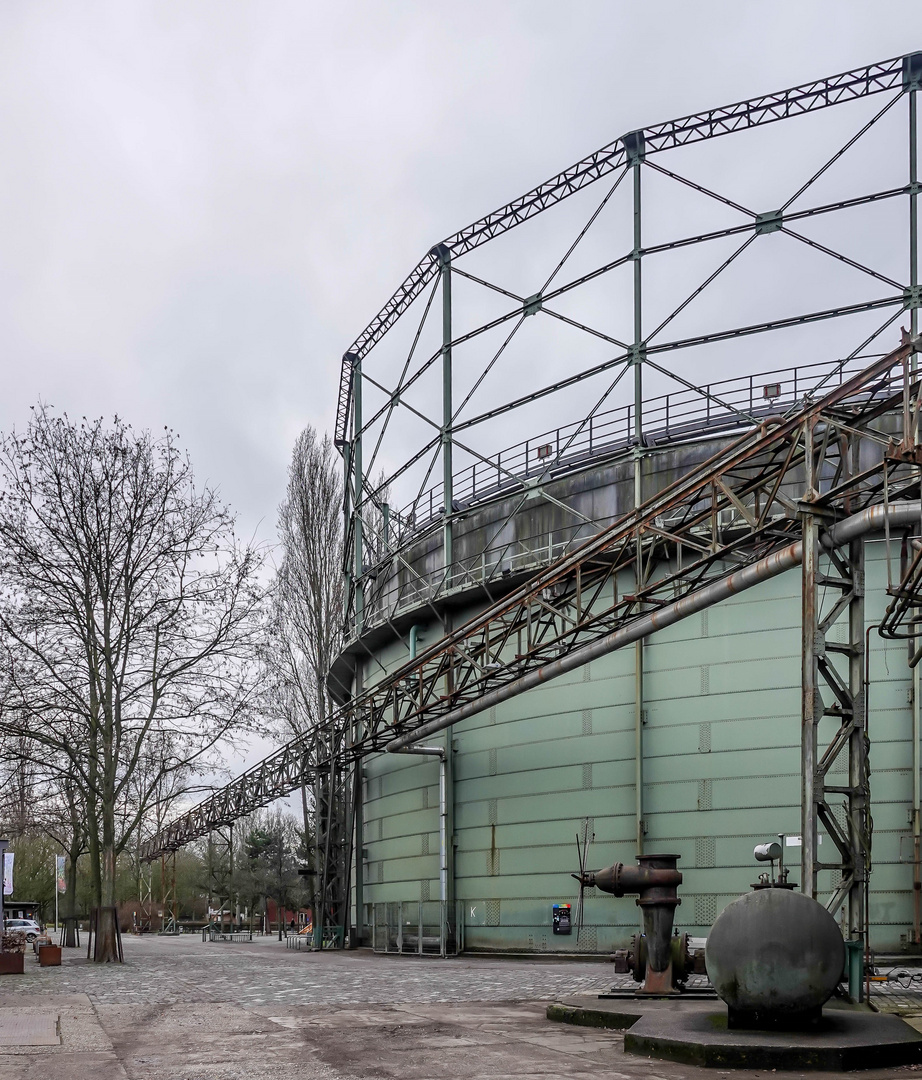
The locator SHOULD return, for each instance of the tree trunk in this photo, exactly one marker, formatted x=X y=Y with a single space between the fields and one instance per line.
x=70 y=897
x=106 y=949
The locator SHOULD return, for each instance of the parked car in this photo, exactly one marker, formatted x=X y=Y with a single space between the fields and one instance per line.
x=29 y=926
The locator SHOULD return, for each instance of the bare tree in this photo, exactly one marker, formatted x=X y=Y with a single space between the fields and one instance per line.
x=309 y=585
x=307 y=637
x=130 y=617
x=307 y=608
x=21 y=781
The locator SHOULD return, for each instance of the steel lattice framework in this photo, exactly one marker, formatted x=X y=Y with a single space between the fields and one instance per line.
x=796 y=490
x=770 y=108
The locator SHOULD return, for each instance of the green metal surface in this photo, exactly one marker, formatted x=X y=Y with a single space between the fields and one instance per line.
x=721 y=772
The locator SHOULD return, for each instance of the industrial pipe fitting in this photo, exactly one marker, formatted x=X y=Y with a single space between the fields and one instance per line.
x=656 y=880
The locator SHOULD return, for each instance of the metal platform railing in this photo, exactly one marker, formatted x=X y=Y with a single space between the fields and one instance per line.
x=731 y=405
x=717 y=406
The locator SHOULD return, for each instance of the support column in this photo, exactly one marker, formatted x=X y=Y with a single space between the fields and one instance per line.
x=834 y=690
x=210 y=875
x=634 y=147
x=231 y=884
x=358 y=547
x=444 y=257
x=347 y=526
x=913 y=80
x=857 y=796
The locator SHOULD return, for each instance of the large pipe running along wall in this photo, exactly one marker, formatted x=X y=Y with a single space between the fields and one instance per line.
x=871 y=520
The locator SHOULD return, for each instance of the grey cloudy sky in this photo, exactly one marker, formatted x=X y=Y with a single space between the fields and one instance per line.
x=201 y=204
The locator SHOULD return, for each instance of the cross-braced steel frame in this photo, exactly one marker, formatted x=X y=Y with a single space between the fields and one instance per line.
x=371 y=593
x=793 y=486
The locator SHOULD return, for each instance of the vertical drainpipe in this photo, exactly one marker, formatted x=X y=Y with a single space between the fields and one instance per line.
x=809 y=694
x=447 y=809
x=444 y=257
x=446 y=798
x=358 y=842
x=634 y=147
x=916 y=799
x=912 y=81
x=358 y=540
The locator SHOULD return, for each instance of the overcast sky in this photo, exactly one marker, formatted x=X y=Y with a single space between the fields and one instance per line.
x=201 y=204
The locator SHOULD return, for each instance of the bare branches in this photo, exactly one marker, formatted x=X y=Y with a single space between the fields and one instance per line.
x=130 y=617
x=308 y=595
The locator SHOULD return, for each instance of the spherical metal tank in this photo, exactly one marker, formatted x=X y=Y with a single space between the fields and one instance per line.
x=775 y=951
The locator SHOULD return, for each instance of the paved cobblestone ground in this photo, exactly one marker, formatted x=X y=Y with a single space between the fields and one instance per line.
x=262 y=972
x=180 y=1009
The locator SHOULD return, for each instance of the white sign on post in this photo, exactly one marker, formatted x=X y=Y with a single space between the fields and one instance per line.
x=8 y=873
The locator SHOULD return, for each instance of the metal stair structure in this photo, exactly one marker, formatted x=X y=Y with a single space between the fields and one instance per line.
x=799 y=489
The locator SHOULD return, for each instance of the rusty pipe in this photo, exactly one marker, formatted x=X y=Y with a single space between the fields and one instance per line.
x=620 y=879
x=655 y=879
x=786 y=558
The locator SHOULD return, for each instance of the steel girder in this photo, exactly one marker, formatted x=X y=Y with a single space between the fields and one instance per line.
x=334 y=790
x=747 y=503
x=219 y=870
x=896 y=73
x=833 y=688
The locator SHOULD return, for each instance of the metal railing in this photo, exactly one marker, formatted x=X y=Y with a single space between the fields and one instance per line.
x=422 y=927
x=726 y=406
x=212 y=933
x=716 y=406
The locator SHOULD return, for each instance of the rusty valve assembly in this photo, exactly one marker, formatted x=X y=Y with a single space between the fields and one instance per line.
x=658 y=958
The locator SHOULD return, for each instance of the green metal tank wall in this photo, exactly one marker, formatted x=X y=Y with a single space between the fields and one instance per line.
x=721 y=769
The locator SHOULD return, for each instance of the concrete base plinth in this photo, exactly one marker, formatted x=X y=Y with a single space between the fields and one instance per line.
x=696 y=1033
